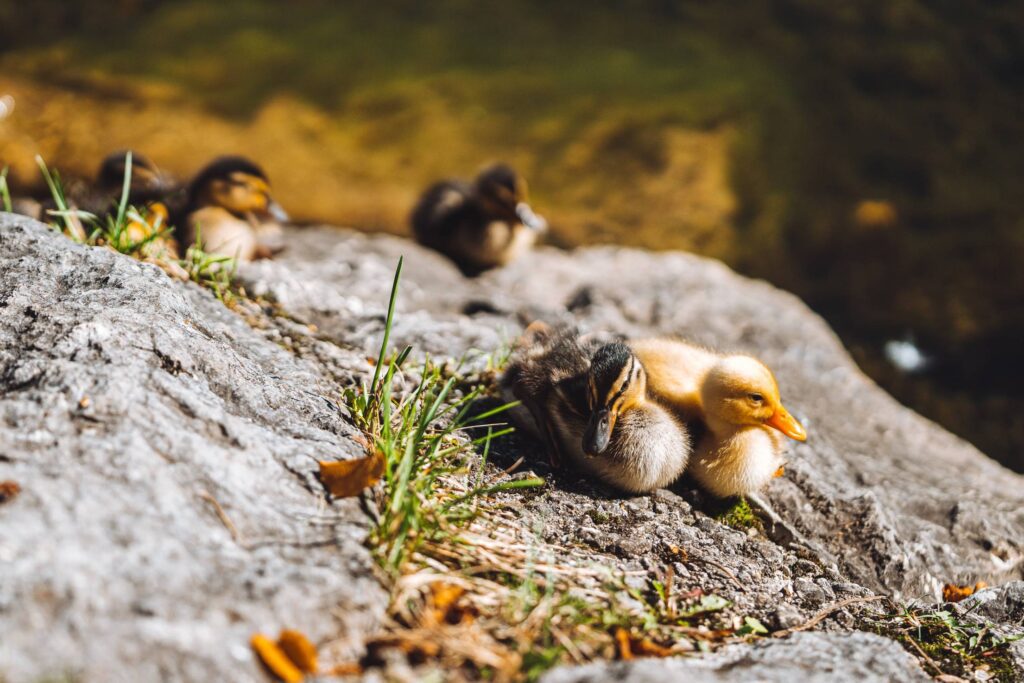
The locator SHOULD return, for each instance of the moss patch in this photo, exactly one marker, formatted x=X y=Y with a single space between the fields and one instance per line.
x=738 y=514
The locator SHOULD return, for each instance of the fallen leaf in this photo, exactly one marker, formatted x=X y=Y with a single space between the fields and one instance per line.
x=952 y=592
x=752 y=626
x=345 y=669
x=446 y=604
x=300 y=651
x=347 y=478
x=707 y=603
x=9 y=490
x=416 y=648
x=623 y=643
x=274 y=658
x=630 y=647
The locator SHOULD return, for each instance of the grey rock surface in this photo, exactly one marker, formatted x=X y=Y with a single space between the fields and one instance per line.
x=895 y=502
x=806 y=657
x=130 y=402
x=128 y=405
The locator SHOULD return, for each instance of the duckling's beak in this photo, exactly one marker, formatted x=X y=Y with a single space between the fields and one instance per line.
x=277 y=212
x=787 y=424
x=528 y=218
x=598 y=432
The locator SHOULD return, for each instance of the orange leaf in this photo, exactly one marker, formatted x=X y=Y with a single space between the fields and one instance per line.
x=299 y=650
x=951 y=592
x=445 y=599
x=622 y=640
x=275 y=659
x=345 y=669
x=346 y=478
x=9 y=490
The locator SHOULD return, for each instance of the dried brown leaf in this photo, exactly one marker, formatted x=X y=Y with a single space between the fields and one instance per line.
x=9 y=490
x=447 y=605
x=300 y=651
x=952 y=592
x=274 y=658
x=347 y=478
x=629 y=646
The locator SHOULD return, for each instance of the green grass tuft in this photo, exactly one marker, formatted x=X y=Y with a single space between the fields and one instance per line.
x=418 y=432
x=949 y=644
x=139 y=233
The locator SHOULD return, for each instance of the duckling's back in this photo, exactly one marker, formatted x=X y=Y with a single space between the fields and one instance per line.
x=440 y=213
x=547 y=374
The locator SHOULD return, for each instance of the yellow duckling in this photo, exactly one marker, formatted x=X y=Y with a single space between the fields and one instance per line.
x=481 y=225
x=737 y=399
x=589 y=404
x=230 y=210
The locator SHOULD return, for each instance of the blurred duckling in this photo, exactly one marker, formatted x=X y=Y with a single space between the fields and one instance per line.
x=147 y=183
x=147 y=186
x=481 y=225
x=737 y=399
x=589 y=404
x=230 y=210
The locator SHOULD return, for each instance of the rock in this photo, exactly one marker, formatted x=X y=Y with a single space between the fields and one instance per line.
x=897 y=502
x=1004 y=604
x=166 y=450
x=811 y=657
x=134 y=412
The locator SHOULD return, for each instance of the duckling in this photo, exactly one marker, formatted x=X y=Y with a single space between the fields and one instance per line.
x=101 y=197
x=229 y=208
x=588 y=401
x=147 y=184
x=481 y=225
x=737 y=399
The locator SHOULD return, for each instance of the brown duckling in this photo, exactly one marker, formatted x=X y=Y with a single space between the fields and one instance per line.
x=147 y=186
x=479 y=225
x=588 y=402
x=737 y=399
x=230 y=210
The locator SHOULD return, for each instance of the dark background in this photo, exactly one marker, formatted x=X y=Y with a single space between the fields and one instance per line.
x=866 y=155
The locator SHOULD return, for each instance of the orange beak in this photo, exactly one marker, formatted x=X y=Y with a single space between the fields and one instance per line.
x=787 y=424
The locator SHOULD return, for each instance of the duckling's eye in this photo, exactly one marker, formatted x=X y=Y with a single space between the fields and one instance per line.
x=756 y=398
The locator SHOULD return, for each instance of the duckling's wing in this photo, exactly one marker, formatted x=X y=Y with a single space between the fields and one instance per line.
x=440 y=212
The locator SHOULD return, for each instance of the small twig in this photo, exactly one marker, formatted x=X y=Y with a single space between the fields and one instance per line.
x=924 y=655
x=514 y=466
x=820 y=616
x=725 y=570
x=225 y=520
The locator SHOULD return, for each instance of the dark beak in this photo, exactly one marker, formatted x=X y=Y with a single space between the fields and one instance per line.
x=528 y=218
x=598 y=433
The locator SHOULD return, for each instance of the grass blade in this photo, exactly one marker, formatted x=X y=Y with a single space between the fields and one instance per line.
x=387 y=326
x=5 y=192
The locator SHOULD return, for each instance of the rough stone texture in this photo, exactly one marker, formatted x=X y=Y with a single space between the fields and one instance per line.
x=899 y=504
x=127 y=402
x=114 y=564
x=809 y=657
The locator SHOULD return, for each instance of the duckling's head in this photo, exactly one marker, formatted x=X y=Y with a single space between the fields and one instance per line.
x=504 y=194
x=146 y=183
x=617 y=383
x=742 y=391
x=236 y=184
